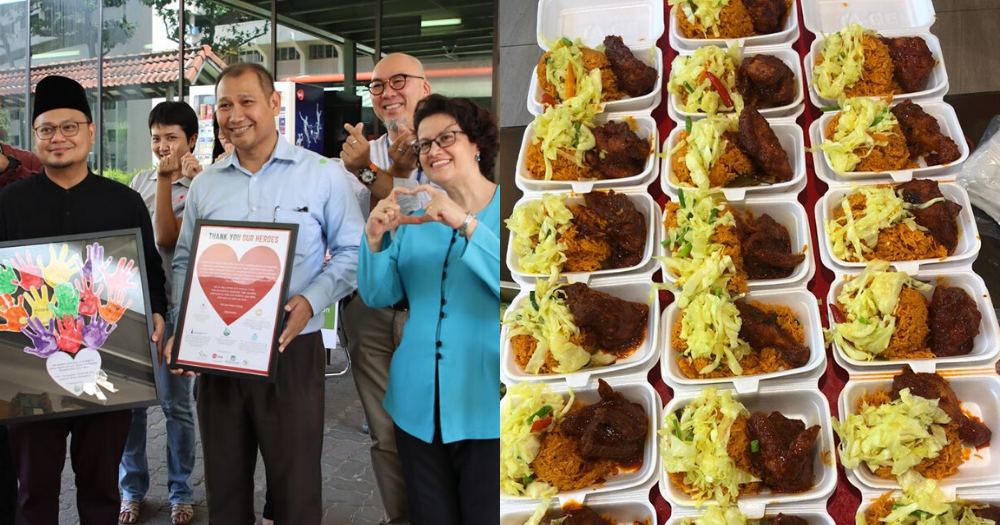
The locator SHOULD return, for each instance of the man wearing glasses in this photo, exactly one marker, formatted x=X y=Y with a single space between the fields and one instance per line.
x=398 y=84
x=67 y=198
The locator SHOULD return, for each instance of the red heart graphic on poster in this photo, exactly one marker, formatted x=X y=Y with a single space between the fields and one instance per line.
x=234 y=285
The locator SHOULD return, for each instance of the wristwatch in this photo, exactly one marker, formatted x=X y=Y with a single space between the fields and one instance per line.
x=368 y=174
x=465 y=224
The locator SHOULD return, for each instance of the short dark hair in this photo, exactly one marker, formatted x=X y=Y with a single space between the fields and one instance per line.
x=177 y=113
x=479 y=124
x=238 y=69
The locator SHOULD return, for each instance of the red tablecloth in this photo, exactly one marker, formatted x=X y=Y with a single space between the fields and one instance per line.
x=846 y=499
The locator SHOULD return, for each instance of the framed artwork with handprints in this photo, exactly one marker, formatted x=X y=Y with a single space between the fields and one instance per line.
x=75 y=321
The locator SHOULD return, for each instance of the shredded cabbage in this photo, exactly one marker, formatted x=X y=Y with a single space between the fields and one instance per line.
x=518 y=445
x=705 y=146
x=899 y=434
x=711 y=327
x=699 y=263
x=864 y=124
x=923 y=503
x=719 y=515
x=546 y=318
x=695 y=444
x=540 y=510
x=689 y=82
x=536 y=226
x=567 y=126
x=853 y=237
x=704 y=12
x=869 y=302
x=843 y=62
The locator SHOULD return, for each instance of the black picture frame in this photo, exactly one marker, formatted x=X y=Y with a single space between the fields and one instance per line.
x=131 y=353
x=279 y=315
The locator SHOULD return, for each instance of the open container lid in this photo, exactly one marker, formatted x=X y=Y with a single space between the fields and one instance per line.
x=828 y=16
x=627 y=506
x=638 y=22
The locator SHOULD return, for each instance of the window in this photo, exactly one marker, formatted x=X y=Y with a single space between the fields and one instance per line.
x=288 y=53
x=251 y=55
x=320 y=51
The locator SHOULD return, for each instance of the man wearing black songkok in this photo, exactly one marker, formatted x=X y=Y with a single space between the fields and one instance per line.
x=66 y=198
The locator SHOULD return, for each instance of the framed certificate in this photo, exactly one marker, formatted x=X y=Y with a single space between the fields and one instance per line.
x=75 y=328
x=233 y=308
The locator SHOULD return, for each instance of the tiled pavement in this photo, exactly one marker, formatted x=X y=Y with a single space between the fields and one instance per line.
x=349 y=493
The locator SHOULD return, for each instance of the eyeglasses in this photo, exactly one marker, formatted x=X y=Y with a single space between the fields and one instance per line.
x=443 y=140
x=68 y=129
x=398 y=82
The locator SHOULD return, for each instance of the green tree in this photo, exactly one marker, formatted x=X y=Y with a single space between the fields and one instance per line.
x=209 y=15
x=75 y=21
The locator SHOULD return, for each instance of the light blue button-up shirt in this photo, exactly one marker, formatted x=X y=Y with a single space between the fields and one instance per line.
x=453 y=333
x=295 y=186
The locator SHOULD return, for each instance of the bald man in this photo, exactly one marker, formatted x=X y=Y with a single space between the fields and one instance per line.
x=398 y=84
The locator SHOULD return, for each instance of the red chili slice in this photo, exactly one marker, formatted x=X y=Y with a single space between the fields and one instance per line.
x=549 y=100
x=723 y=92
x=541 y=424
x=838 y=316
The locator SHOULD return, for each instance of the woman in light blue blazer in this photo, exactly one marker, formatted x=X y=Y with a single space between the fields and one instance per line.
x=444 y=387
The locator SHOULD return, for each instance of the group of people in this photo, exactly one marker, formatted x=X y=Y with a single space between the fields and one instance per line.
x=403 y=229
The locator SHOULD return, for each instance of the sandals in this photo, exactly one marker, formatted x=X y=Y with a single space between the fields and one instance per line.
x=181 y=513
x=129 y=512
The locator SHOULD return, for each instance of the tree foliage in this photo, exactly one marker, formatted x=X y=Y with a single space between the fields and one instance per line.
x=209 y=15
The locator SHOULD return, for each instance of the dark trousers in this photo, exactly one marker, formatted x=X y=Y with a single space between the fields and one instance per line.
x=39 y=450
x=450 y=484
x=8 y=479
x=284 y=420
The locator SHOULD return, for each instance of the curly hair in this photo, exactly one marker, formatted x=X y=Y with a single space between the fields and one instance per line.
x=479 y=124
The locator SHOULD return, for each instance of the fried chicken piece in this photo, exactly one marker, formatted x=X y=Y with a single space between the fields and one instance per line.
x=617 y=325
x=619 y=152
x=634 y=77
x=784 y=451
x=767 y=15
x=912 y=61
x=765 y=81
x=613 y=428
x=923 y=135
x=933 y=386
x=761 y=330
x=954 y=321
x=758 y=141
x=767 y=249
x=938 y=218
x=624 y=230
x=991 y=512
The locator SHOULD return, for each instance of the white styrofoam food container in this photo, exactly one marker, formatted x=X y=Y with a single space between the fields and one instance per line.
x=806 y=404
x=979 y=396
x=950 y=127
x=637 y=390
x=801 y=302
x=625 y=511
x=983 y=495
x=643 y=203
x=968 y=247
x=638 y=22
x=786 y=212
x=986 y=345
x=788 y=34
x=632 y=291
x=645 y=129
x=786 y=55
x=792 y=141
x=648 y=54
x=890 y=18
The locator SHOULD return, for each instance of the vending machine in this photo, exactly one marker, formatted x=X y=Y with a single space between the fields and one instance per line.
x=300 y=119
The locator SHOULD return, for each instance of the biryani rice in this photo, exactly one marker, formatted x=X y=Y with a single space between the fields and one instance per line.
x=563 y=166
x=584 y=253
x=591 y=59
x=909 y=338
x=877 y=74
x=734 y=22
x=881 y=508
x=896 y=242
x=560 y=464
x=730 y=165
x=893 y=156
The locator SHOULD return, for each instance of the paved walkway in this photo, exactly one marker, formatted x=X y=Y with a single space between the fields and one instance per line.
x=349 y=493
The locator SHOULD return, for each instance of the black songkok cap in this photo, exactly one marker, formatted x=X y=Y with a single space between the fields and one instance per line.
x=56 y=92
